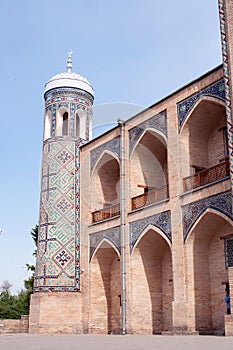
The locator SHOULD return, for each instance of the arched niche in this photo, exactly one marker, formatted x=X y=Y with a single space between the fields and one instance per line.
x=105 y=186
x=105 y=290
x=62 y=127
x=206 y=273
x=47 y=125
x=80 y=123
x=203 y=141
x=152 y=284
x=148 y=169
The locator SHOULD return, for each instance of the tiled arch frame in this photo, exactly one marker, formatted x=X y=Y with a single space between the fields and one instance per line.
x=216 y=90
x=111 y=235
x=191 y=212
x=113 y=146
x=162 y=221
x=158 y=122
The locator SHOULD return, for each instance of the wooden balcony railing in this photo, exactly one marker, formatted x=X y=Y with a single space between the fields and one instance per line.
x=204 y=177
x=106 y=213
x=152 y=196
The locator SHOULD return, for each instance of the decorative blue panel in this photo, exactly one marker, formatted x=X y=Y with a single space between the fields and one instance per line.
x=161 y=221
x=111 y=234
x=158 y=122
x=113 y=146
x=191 y=212
x=184 y=107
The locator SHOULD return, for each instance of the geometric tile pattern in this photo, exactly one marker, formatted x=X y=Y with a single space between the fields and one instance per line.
x=57 y=267
x=112 y=234
x=113 y=146
x=221 y=202
x=228 y=81
x=158 y=122
x=215 y=90
x=161 y=221
x=66 y=94
x=229 y=251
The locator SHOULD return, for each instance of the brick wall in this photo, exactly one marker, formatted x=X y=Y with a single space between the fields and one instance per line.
x=15 y=326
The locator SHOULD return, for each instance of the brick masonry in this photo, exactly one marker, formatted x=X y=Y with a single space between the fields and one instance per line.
x=175 y=256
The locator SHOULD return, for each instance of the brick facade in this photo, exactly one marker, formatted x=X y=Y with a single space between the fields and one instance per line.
x=177 y=216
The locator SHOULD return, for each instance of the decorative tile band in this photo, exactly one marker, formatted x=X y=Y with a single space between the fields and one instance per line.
x=184 y=107
x=111 y=234
x=112 y=146
x=191 y=212
x=66 y=94
x=161 y=221
x=157 y=122
x=227 y=80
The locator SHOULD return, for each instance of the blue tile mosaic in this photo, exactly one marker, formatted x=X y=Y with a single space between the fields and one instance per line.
x=112 y=234
x=184 y=107
x=221 y=202
x=157 y=122
x=161 y=221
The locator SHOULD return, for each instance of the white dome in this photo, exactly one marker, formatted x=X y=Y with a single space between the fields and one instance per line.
x=69 y=79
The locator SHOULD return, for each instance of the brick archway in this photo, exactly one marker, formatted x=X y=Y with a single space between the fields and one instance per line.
x=206 y=272
x=152 y=285
x=105 y=290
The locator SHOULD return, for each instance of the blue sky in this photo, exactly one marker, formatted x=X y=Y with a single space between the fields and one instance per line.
x=134 y=52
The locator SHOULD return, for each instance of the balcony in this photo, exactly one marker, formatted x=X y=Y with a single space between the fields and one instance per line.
x=152 y=196
x=206 y=176
x=106 y=213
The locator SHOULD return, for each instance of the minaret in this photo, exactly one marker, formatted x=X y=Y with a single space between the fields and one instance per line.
x=67 y=125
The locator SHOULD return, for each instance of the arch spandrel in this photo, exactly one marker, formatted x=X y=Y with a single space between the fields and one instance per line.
x=184 y=107
x=112 y=146
x=221 y=203
x=161 y=222
x=157 y=123
x=111 y=235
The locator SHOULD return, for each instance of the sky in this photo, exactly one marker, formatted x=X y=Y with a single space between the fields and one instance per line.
x=134 y=53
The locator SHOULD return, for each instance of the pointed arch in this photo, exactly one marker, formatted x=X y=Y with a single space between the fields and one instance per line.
x=204 y=212
x=202 y=144
x=214 y=100
x=156 y=133
x=109 y=243
x=145 y=231
x=62 y=122
x=98 y=161
x=151 y=259
x=47 y=125
x=206 y=270
x=105 y=289
x=148 y=169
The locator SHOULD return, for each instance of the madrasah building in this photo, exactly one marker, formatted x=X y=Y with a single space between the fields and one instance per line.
x=136 y=225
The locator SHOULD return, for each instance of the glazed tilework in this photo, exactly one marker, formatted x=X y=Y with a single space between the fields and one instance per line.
x=229 y=251
x=113 y=146
x=66 y=94
x=221 y=202
x=111 y=234
x=57 y=267
x=158 y=122
x=184 y=107
x=161 y=221
x=227 y=81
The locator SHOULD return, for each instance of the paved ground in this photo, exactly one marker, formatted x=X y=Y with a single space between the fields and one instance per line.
x=113 y=342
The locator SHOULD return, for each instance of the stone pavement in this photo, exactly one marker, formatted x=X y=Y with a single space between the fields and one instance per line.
x=112 y=342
